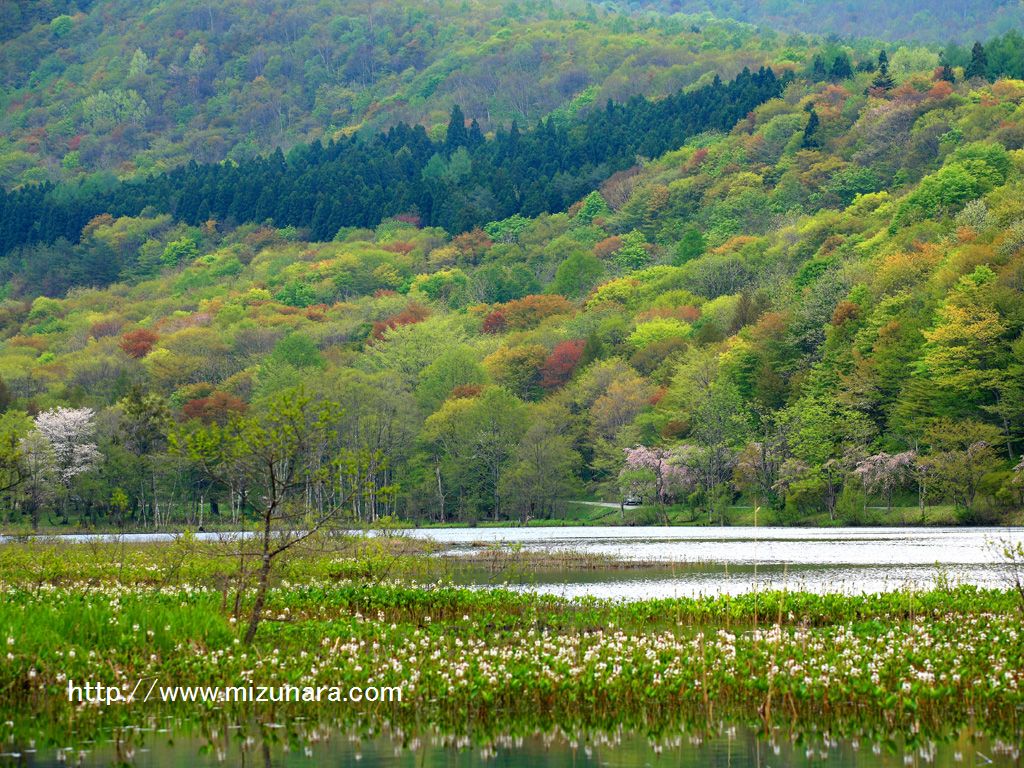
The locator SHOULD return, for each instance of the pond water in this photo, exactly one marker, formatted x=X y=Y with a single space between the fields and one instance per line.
x=683 y=562
x=691 y=561
x=737 y=747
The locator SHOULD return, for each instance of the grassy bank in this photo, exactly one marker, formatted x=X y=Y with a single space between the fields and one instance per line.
x=493 y=661
x=581 y=513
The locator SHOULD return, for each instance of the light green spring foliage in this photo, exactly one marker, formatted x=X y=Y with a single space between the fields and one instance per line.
x=743 y=299
x=111 y=96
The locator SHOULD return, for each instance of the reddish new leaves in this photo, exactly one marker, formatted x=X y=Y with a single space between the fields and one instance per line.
x=138 y=343
x=527 y=312
x=414 y=313
x=560 y=364
x=216 y=408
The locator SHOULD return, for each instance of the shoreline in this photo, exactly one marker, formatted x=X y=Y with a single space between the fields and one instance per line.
x=137 y=534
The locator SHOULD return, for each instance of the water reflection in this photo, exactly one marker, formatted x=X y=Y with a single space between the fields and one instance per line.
x=735 y=560
x=717 y=560
x=851 y=546
x=734 y=746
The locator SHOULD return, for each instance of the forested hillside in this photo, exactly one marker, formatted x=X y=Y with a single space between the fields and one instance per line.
x=936 y=21
x=816 y=311
x=459 y=183
x=132 y=87
x=103 y=88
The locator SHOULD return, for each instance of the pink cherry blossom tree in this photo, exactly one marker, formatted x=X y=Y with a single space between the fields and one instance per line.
x=656 y=471
x=885 y=472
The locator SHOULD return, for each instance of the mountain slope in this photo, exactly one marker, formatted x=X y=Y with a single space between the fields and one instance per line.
x=818 y=312
x=461 y=182
x=936 y=21
x=140 y=86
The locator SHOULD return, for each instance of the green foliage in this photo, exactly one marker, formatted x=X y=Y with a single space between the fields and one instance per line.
x=62 y=25
x=691 y=246
x=298 y=351
x=593 y=207
x=457 y=367
x=296 y=294
x=449 y=286
x=507 y=230
x=178 y=252
x=106 y=109
x=499 y=283
x=633 y=254
x=968 y=173
x=576 y=275
x=659 y=329
x=825 y=308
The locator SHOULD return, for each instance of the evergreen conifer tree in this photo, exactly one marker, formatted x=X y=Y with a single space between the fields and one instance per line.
x=979 y=63
x=883 y=80
x=818 y=71
x=457 y=135
x=946 y=73
x=841 y=68
x=810 y=132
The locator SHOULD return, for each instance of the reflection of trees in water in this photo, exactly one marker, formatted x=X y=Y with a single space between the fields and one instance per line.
x=696 y=744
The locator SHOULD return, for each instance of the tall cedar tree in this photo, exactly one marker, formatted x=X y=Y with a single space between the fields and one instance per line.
x=841 y=68
x=811 y=140
x=883 y=80
x=946 y=73
x=978 y=66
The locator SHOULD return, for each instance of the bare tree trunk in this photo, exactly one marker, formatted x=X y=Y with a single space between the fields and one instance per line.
x=440 y=485
x=261 y=590
x=156 y=505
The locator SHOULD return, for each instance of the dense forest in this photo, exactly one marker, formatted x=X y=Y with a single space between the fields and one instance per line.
x=117 y=88
x=138 y=87
x=459 y=183
x=792 y=282
x=928 y=20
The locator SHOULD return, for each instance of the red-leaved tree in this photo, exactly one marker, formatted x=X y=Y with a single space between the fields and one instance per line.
x=138 y=343
x=560 y=364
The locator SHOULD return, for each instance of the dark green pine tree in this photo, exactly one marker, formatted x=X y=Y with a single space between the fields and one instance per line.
x=320 y=226
x=457 y=135
x=979 y=63
x=811 y=139
x=841 y=68
x=475 y=136
x=883 y=80
x=202 y=212
x=818 y=71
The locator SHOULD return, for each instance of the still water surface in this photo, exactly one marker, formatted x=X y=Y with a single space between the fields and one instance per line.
x=686 y=562
x=736 y=747
x=690 y=561
x=740 y=559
